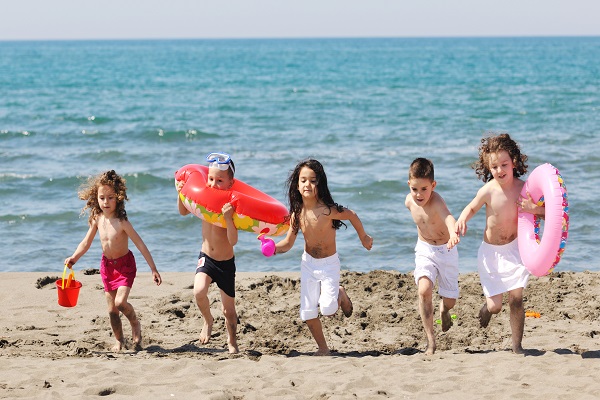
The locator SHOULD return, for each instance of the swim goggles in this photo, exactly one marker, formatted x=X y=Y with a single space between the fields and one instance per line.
x=221 y=161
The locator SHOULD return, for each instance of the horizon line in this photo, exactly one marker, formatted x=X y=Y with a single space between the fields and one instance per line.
x=540 y=36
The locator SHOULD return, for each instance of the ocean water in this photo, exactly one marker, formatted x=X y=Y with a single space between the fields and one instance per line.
x=364 y=107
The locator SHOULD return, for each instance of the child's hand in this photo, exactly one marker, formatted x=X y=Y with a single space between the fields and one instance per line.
x=156 y=277
x=69 y=262
x=460 y=227
x=367 y=241
x=228 y=211
x=454 y=240
x=527 y=205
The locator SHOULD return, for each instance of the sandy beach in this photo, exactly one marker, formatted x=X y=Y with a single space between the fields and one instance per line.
x=49 y=351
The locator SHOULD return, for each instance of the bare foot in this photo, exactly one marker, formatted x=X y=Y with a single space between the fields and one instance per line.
x=206 y=331
x=518 y=350
x=322 y=352
x=136 y=328
x=446 y=320
x=346 y=303
x=233 y=349
x=118 y=346
x=484 y=316
x=430 y=349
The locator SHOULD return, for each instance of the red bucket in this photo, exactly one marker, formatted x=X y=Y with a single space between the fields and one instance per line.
x=68 y=296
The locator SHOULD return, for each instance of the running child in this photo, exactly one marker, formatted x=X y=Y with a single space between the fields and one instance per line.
x=313 y=211
x=501 y=270
x=105 y=196
x=216 y=261
x=436 y=257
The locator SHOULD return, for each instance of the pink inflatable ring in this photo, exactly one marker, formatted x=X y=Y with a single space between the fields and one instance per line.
x=545 y=185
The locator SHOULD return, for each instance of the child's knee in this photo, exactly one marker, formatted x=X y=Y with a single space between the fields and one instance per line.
x=494 y=308
x=229 y=312
x=515 y=302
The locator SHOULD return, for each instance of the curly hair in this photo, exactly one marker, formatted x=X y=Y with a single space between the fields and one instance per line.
x=89 y=192
x=494 y=144
x=323 y=193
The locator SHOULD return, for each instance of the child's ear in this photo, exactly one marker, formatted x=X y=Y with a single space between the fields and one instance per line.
x=433 y=184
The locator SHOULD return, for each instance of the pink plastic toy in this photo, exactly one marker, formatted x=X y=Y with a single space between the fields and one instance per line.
x=267 y=246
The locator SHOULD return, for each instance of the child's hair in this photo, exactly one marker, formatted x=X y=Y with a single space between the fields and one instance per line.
x=231 y=170
x=421 y=168
x=322 y=192
x=494 y=144
x=89 y=192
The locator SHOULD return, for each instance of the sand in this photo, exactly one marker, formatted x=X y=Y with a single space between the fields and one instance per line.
x=49 y=351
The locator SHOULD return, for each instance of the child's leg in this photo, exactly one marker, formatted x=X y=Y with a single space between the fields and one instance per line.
x=517 y=318
x=446 y=304
x=316 y=330
x=425 y=289
x=115 y=320
x=230 y=321
x=345 y=303
x=126 y=308
x=201 y=283
x=493 y=305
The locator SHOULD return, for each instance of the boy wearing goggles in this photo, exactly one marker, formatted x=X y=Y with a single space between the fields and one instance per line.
x=216 y=262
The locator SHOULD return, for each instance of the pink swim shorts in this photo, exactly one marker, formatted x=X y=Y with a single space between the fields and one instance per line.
x=118 y=272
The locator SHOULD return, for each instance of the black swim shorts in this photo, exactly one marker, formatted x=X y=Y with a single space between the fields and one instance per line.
x=221 y=272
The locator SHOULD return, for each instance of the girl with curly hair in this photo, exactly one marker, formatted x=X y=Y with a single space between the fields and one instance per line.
x=105 y=197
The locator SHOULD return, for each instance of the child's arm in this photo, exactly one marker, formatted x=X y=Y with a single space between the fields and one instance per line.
x=451 y=224
x=232 y=232
x=288 y=241
x=470 y=210
x=181 y=207
x=449 y=221
x=84 y=246
x=349 y=215
x=141 y=246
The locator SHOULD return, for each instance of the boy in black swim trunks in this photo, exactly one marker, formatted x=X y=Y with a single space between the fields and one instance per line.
x=216 y=262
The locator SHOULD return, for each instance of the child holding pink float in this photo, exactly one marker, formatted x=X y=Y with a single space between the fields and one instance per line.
x=105 y=196
x=501 y=270
x=313 y=211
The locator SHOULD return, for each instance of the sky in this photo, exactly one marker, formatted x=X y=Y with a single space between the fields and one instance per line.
x=171 y=19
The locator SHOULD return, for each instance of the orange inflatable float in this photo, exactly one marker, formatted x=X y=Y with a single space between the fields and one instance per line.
x=255 y=211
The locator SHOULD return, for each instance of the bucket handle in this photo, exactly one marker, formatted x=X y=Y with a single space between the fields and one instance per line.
x=71 y=277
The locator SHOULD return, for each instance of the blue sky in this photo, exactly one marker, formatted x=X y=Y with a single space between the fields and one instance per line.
x=136 y=19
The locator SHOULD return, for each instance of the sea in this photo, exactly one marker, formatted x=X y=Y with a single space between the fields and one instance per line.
x=364 y=107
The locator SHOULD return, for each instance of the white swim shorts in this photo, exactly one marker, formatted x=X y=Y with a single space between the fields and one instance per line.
x=319 y=285
x=438 y=263
x=500 y=268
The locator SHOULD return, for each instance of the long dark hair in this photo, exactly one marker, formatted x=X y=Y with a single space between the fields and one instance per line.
x=323 y=193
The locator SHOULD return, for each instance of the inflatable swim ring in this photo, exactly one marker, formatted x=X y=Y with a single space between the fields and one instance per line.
x=546 y=186
x=255 y=211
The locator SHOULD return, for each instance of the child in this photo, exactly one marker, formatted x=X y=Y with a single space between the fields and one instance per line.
x=216 y=262
x=105 y=195
x=435 y=254
x=313 y=211
x=500 y=267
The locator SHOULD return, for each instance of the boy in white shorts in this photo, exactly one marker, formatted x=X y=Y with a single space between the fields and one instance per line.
x=436 y=257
